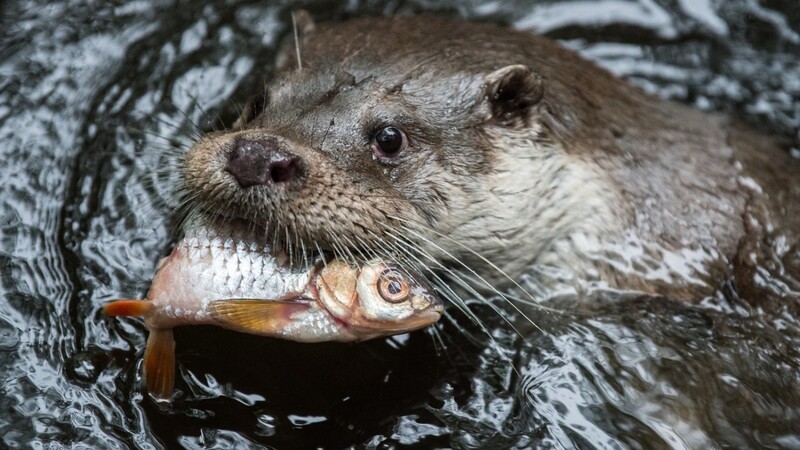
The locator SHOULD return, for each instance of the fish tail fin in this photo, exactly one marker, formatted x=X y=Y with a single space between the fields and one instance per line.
x=159 y=363
x=128 y=307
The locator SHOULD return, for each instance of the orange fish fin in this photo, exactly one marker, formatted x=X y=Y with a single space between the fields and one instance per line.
x=128 y=307
x=159 y=363
x=161 y=263
x=264 y=317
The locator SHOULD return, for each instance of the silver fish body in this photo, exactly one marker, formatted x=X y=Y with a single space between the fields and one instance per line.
x=204 y=268
x=240 y=284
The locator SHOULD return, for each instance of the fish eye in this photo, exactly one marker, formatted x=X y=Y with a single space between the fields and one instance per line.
x=392 y=286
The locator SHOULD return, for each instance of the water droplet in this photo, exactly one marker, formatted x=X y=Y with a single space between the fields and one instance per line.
x=86 y=366
x=266 y=425
x=9 y=336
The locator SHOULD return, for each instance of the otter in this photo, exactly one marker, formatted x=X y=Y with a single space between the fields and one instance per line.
x=484 y=153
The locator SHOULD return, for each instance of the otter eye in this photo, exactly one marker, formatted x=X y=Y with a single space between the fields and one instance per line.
x=392 y=286
x=388 y=142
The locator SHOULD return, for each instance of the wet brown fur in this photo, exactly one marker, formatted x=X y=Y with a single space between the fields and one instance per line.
x=670 y=174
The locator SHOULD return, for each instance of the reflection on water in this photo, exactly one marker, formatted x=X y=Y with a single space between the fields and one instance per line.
x=97 y=101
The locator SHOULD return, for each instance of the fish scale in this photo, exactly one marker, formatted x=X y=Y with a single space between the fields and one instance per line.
x=237 y=283
x=239 y=267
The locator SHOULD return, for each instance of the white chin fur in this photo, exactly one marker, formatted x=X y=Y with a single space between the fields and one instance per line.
x=536 y=201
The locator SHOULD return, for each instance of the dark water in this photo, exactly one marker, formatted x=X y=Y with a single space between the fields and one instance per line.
x=98 y=98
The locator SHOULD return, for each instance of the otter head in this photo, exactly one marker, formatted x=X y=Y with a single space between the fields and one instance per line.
x=380 y=137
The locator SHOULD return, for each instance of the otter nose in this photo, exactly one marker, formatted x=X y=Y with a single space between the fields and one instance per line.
x=256 y=162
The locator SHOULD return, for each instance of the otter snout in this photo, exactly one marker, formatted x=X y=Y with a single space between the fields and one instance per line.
x=255 y=162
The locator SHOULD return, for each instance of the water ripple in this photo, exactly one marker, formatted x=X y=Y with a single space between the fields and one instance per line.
x=97 y=104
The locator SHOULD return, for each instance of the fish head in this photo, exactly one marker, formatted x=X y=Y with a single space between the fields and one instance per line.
x=336 y=285
x=379 y=299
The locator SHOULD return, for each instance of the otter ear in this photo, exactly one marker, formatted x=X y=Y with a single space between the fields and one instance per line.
x=290 y=54
x=512 y=92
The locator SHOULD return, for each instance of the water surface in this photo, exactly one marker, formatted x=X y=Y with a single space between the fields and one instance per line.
x=98 y=99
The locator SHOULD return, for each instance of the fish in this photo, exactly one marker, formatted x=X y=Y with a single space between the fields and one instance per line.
x=242 y=285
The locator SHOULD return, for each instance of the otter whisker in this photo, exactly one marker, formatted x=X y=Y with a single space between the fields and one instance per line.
x=296 y=242
x=341 y=251
x=445 y=288
x=296 y=42
x=303 y=249
x=212 y=120
x=148 y=210
x=495 y=344
x=366 y=250
x=350 y=257
x=174 y=127
x=300 y=246
x=475 y=274
x=455 y=277
x=289 y=246
x=410 y=250
x=321 y=253
x=366 y=253
x=239 y=108
x=187 y=211
x=508 y=297
x=438 y=343
x=165 y=145
x=304 y=225
x=351 y=245
x=478 y=255
x=299 y=242
x=483 y=280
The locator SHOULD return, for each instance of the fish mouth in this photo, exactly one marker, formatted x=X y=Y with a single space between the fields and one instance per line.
x=426 y=319
x=429 y=316
x=418 y=321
